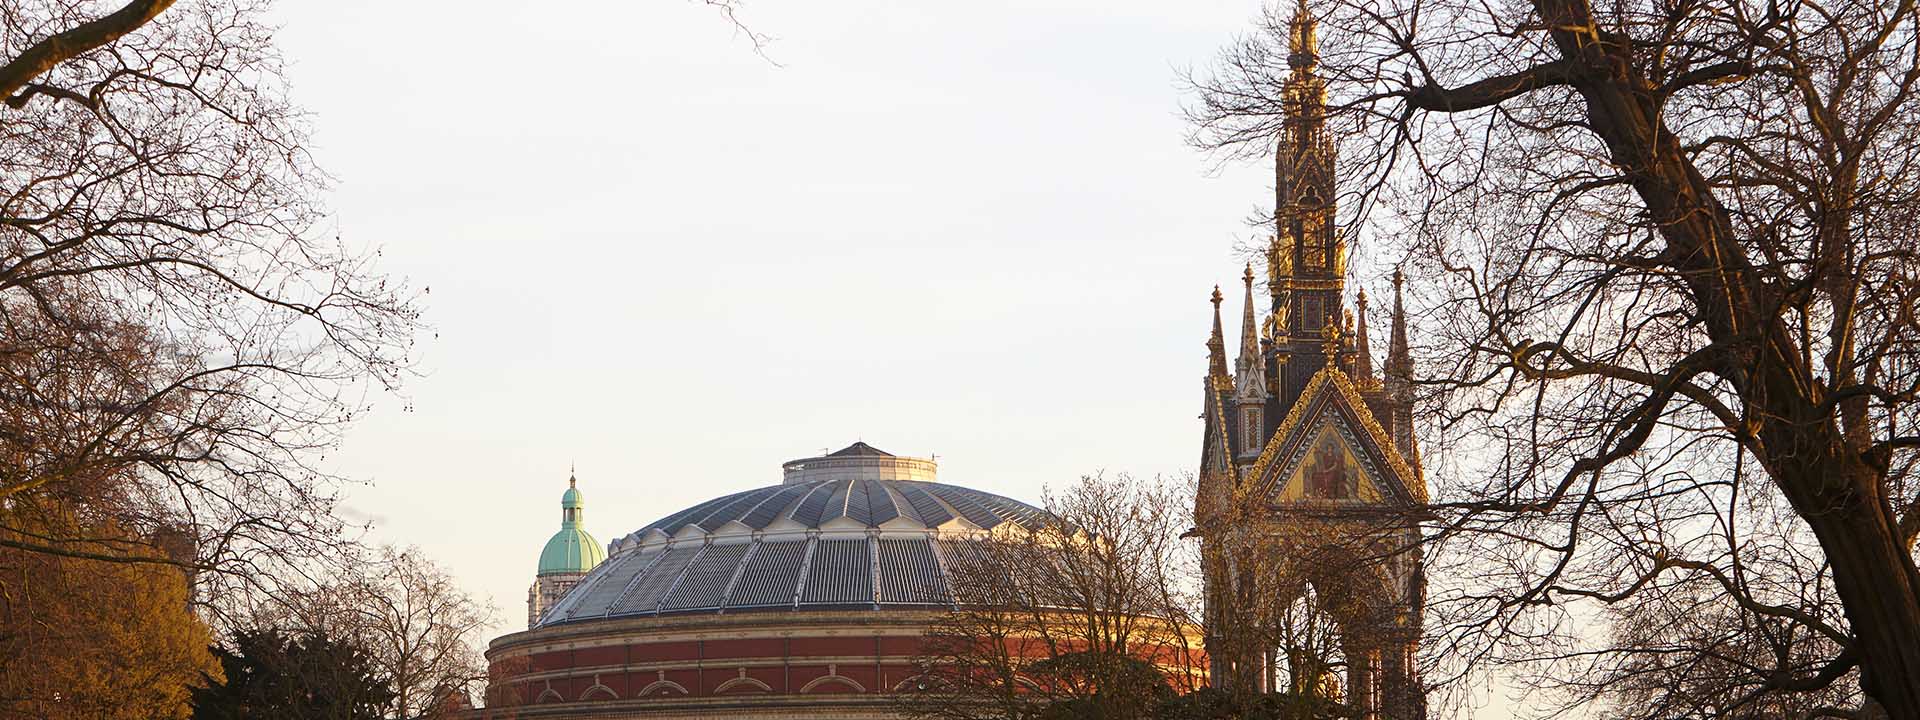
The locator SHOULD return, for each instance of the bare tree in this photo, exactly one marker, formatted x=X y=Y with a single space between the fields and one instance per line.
x=179 y=338
x=418 y=627
x=1091 y=615
x=174 y=314
x=1667 y=254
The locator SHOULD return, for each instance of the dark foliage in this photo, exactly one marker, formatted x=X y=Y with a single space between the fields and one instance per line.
x=271 y=674
x=1213 y=704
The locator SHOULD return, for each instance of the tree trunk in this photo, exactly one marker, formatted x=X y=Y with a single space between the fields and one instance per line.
x=1879 y=587
x=1830 y=488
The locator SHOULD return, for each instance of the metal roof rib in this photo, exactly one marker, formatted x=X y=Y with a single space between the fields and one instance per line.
x=860 y=502
x=731 y=511
x=909 y=573
x=646 y=594
x=931 y=511
x=704 y=584
x=963 y=503
x=837 y=504
x=763 y=513
x=839 y=574
x=726 y=596
x=769 y=575
x=673 y=522
x=807 y=511
x=883 y=504
x=611 y=586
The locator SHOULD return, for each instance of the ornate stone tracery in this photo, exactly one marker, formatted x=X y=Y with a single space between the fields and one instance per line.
x=1310 y=488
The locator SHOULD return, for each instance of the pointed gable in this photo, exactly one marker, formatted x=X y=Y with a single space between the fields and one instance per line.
x=1216 y=465
x=1331 y=448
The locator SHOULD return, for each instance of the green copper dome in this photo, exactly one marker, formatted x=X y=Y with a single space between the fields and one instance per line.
x=573 y=549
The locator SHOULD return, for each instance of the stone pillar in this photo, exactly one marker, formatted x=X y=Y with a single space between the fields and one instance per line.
x=1401 y=695
x=1363 y=671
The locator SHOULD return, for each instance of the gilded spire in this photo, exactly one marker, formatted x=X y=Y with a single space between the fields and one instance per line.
x=1399 y=359
x=1217 y=343
x=1303 y=41
x=1306 y=244
x=1249 y=326
x=1363 y=365
x=1250 y=371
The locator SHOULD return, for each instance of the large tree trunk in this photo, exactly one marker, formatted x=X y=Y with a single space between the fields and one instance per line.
x=1832 y=489
x=1877 y=580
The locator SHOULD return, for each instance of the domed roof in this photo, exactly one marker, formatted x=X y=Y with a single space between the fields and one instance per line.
x=573 y=549
x=843 y=532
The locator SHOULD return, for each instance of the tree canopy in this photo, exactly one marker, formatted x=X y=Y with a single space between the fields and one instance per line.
x=95 y=639
x=298 y=676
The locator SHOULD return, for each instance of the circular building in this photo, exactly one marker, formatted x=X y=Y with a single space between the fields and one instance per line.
x=805 y=599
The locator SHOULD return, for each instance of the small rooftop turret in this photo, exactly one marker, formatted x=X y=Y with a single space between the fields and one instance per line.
x=858 y=461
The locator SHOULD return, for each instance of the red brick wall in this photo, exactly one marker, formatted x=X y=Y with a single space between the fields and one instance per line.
x=876 y=662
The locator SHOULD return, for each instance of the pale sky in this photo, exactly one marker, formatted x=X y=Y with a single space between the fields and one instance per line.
x=972 y=230
x=964 y=229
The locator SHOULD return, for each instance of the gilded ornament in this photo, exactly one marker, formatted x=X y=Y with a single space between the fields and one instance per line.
x=1344 y=386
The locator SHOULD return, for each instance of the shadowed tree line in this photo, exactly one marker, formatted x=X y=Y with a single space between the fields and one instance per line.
x=181 y=341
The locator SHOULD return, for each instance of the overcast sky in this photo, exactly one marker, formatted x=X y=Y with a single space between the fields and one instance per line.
x=965 y=229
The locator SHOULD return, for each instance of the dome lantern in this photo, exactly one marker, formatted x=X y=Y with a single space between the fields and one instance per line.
x=858 y=461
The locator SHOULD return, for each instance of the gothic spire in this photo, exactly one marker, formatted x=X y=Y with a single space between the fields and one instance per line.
x=1303 y=42
x=1217 y=343
x=1399 y=360
x=1249 y=327
x=1250 y=371
x=1363 y=364
x=1307 y=256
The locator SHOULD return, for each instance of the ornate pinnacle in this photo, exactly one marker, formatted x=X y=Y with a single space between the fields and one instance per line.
x=1363 y=365
x=1399 y=359
x=1217 y=343
x=1330 y=336
x=1250 y=370
x=1303 y=42
x=1249 y=324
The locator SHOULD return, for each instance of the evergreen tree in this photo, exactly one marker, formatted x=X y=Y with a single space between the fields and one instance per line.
x=305 y=676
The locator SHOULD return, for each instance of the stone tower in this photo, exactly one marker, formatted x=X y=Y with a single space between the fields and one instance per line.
x=568 y=556
x=1310 y=476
